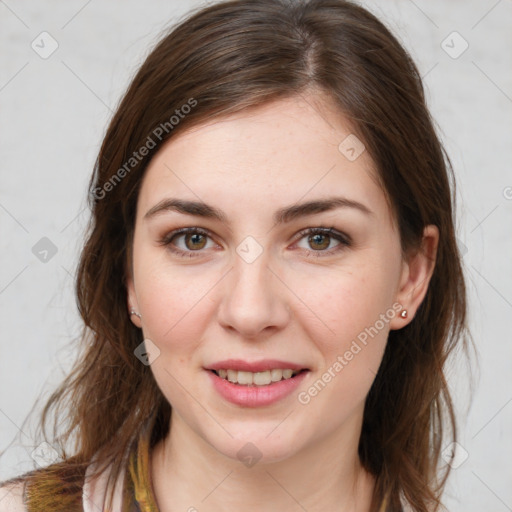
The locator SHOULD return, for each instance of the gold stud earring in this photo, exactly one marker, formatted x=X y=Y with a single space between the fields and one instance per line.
x=403 y=314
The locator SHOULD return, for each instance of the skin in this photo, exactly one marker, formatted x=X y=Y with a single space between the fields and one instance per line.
x=289 y=304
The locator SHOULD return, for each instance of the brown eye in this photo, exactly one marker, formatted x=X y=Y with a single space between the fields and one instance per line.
x=319 y=241
x=188 y=242
x=323 y=241
x=194 y=241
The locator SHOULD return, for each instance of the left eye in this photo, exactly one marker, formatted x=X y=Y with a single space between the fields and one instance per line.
x=320 y=240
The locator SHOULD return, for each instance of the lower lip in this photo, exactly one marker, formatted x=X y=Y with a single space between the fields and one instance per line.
x=255 y=396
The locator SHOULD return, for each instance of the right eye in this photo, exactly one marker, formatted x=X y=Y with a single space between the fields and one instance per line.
x=193 y=240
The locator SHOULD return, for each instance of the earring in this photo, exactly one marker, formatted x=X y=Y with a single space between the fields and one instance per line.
x=403 y=314
x=133 y=312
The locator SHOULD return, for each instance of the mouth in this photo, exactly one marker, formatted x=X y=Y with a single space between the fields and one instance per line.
x=263 y=378
x=256 y=383
x=256 y=389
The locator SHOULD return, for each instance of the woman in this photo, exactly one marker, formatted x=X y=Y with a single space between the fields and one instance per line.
x=271 y=283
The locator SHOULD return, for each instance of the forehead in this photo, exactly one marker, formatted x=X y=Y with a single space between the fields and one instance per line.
x=276 y=153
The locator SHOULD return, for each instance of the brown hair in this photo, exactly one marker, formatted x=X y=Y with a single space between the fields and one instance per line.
x=222 y=59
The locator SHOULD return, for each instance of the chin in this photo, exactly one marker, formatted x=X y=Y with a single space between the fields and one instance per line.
x=262 y=443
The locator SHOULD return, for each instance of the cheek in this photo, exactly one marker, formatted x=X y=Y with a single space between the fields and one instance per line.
x=354 y=305
x=174 y=305
x=343 y=304
x=350 y=358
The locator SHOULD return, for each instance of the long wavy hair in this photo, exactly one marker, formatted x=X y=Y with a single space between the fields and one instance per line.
x=224 y=58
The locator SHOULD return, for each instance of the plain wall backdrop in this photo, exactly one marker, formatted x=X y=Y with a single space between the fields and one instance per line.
x=63 y=68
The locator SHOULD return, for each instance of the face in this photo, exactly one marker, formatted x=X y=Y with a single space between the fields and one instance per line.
x=265 y=274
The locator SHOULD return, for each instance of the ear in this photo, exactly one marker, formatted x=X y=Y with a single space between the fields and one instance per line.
x=131 y=298
x=415 y=276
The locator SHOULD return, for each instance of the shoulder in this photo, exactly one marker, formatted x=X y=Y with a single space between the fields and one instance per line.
x=11 y=496
x=59 y=487
x=55 y=487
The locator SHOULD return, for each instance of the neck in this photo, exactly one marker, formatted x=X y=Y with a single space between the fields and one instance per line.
x=189 y=474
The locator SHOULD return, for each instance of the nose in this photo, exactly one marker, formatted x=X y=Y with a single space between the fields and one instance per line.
x=254 y=299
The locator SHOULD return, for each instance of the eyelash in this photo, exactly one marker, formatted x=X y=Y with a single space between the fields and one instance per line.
x=344 y=240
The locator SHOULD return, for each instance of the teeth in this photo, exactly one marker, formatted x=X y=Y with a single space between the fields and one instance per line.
x=287 y=374
x=245 y=378
x=276 y=375
x=256 y=379
x=261 y=378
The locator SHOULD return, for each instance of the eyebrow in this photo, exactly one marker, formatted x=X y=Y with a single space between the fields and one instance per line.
x=281 y=216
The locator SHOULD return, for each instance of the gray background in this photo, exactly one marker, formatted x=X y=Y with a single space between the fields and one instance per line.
x=54 y=112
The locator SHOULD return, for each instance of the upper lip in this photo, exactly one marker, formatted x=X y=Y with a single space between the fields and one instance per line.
x=255 y=366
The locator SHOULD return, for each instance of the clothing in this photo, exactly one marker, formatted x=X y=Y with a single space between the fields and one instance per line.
x=133 y=490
